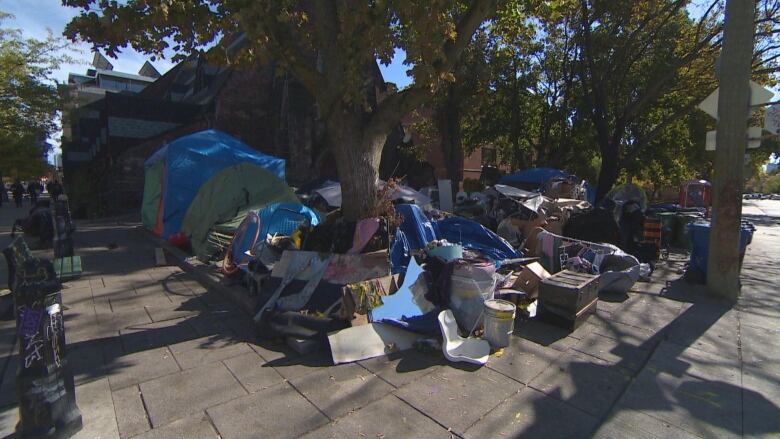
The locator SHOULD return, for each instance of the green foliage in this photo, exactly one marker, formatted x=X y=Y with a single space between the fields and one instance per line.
x=28 y=101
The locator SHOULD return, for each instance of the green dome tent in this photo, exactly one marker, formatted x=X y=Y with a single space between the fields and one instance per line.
x=153 y=181
x=225 y=199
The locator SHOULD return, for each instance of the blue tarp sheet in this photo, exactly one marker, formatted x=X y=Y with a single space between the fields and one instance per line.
x=417 y=231
x=416 y=226
x=475 y=236
x=191 y=160
x=276 y=218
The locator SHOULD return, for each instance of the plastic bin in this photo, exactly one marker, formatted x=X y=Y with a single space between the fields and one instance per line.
x=700 y=243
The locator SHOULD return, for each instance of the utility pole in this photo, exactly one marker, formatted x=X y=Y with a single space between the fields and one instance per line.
x=733 y=112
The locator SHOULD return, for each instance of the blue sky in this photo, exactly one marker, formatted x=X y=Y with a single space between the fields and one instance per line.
x=36 y=17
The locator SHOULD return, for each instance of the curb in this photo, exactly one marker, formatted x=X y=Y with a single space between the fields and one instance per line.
x=202 y=274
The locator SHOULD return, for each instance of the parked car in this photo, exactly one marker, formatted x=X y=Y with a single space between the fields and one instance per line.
x=774 y=197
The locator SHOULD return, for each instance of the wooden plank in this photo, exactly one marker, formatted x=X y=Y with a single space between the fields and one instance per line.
x=159 y=257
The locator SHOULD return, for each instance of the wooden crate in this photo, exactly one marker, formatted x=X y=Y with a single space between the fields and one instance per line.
x=569 y=291
x=564 y=318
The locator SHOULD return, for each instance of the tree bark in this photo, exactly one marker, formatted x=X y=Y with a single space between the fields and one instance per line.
x=357 y=156
x=448 y=124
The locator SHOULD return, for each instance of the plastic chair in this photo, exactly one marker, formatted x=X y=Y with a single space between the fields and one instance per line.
x=457 y=348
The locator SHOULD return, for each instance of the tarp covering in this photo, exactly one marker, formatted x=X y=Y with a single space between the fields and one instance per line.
x=230 y=193
x=475 y=236
x=538 y=176
x=192 y=160
x=416 y=226
x=152 y=191
x=276 y=218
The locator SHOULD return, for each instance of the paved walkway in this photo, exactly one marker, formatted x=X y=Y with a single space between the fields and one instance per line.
x=156 y=354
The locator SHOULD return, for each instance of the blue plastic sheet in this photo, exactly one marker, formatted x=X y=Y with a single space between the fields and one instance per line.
x=416 y=226
x=400 y=253
x=276 y=218
x=191 y=160
x=473 y=235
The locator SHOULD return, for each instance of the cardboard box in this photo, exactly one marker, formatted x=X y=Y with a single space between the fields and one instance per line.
x=529 y=279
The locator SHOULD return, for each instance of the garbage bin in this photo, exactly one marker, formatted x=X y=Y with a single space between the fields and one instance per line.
x=668 y=228
x=682 y=240
x=700 y=244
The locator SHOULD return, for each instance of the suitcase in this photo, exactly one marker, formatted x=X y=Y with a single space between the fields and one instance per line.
x=567 y=298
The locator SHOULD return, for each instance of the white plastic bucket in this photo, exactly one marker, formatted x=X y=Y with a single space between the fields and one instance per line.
x=499 y=322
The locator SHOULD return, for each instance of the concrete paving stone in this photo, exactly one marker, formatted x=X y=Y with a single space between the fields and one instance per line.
x=650 y=318
x=614 y=352
x=289 y=415
x=87 y=360
x=199 y=351
x=760 y=346
x=180 y=394
x=585 y=382
x=195 y=426
x=402 y=368
x=131 y=301
x=704 y=408
x=458 y=398
x=9 y=416
x=641 y=337
x=116 y=321
x=341 y=389
x=718 y=336
x=73 y=297
x=130 y=412
x=760 y=317
x=97 y=411
x=523 y=360
x=531 y=413
x=676 y=360
x=293 y=366
x=155 y=335
x=169 y=311
x=141 y=366
x=328 y=431
x=96 y=282
x=249 y=370
x=762 y=380
x=634 y=424
x=389 y=417
x=761 y=415
x=273 y=349
x=205 y=324
x=545 y=335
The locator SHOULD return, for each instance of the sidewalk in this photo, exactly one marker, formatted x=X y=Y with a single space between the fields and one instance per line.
x=156 y=354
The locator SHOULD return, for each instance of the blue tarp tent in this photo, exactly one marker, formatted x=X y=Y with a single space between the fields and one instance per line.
x=276 y=218
x=533 y=176
x=190 y=161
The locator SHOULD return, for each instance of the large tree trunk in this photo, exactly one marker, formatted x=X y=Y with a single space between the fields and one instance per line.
x=357 y=159
x=610 y=169
x=448 y=124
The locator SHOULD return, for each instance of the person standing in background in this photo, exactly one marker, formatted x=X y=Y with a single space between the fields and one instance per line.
x=17 y=190
x=32 y=190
